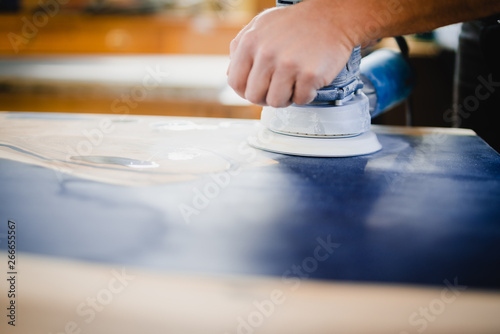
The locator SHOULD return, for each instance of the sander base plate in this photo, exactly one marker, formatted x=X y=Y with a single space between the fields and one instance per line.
x=365 y=143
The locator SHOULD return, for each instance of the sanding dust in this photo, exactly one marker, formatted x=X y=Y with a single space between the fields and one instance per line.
x=127 y=150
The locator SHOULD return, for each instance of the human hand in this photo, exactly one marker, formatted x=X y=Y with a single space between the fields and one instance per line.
x=285 y=54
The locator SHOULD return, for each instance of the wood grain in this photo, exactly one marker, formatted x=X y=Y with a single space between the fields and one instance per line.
x=52 y=291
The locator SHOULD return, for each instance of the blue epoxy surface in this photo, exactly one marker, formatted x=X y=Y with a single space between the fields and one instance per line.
x=413 y=213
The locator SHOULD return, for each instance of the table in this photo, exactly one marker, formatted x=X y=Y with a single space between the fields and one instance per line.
x=211 y=228
x=180 y=85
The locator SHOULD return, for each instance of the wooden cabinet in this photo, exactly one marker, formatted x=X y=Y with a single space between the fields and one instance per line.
x=77 y=33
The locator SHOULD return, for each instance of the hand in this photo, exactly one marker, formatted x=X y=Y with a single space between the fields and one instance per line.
x=285 y=54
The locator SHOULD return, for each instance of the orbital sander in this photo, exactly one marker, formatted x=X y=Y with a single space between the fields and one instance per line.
x=337 y=123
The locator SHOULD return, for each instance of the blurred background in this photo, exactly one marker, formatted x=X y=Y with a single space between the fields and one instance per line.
x=163 y=57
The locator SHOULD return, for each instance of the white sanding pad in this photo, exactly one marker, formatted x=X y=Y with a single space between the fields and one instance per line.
x=350 y=118
x=365 y=143
x=318 y=131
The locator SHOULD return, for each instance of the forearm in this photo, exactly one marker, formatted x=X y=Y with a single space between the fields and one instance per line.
x=285 y=55
x=373 y=19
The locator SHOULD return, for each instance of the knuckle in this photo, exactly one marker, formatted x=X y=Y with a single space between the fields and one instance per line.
x=301 y=97
x=299 y=100
x=253 y=97
x=276 y=102
x=248 y=40
x=236 y=85
x=288 y=64
x=265 y=54
x=304 y=99
x=309 y=76
x=271 y=101
x=233 y=45
x=231 y=82
x=305 y=92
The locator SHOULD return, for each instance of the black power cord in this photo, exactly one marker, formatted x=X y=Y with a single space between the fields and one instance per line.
x=405 y=52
